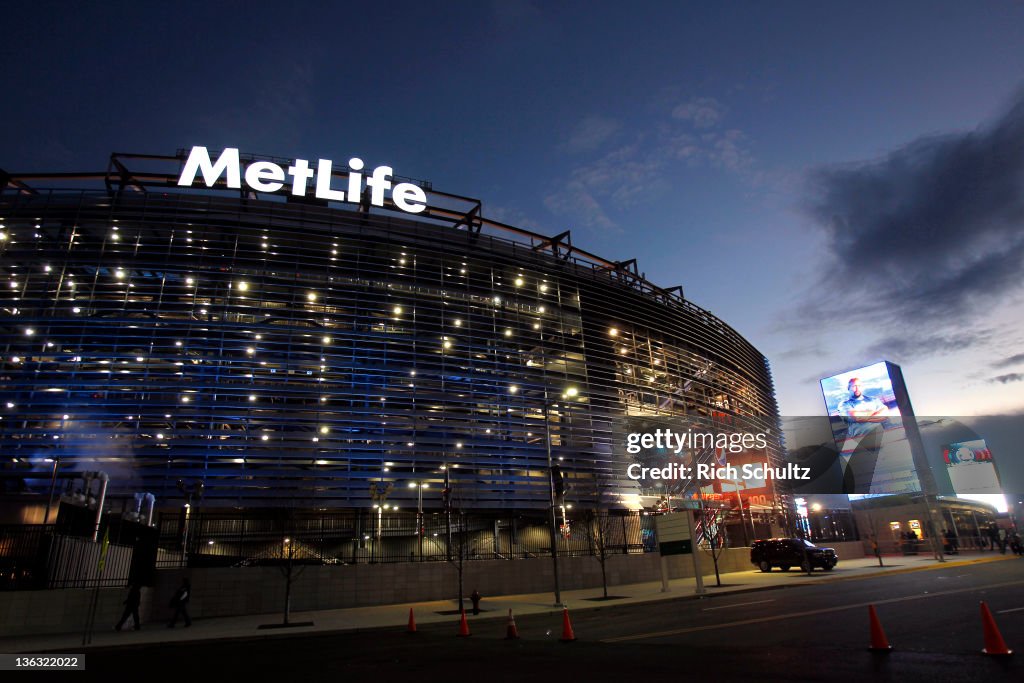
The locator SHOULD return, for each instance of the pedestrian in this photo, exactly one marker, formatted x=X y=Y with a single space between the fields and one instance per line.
x=951 y=542
x=475 y=597
x=1002 y=541
x=131 y=606
x=179 y=602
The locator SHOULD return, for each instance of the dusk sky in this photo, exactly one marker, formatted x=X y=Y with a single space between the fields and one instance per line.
x=841 y=183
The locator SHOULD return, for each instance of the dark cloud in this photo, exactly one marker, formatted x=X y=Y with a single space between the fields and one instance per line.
x=1008 y=361
x=930 y=234
x=904 y=347
x=1006 y=379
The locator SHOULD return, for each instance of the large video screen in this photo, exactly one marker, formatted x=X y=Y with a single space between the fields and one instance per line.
x=864 y=412
x=970 y=468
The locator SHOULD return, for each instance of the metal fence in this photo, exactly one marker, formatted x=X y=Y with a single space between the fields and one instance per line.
x=383 y=536
x=75 y=563
x=35 y=556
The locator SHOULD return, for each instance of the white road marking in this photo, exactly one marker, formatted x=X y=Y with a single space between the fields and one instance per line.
x=794 y=615
x=1007 y=611
x=742 y=604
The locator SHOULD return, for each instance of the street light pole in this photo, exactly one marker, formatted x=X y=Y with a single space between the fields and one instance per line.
x=419 y=513
x=56 y=466
x=53 y=485
x=551 y=495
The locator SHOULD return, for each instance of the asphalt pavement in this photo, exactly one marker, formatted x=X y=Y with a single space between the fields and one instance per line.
x=803 y=630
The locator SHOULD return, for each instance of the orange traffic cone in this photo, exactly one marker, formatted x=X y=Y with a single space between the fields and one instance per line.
x=994 y=643
x=463 y=626
x=879 y=643
x=511 y=633
x=412 y=623
x=567 y=635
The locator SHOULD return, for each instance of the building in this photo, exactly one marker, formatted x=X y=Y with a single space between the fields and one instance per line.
x=891 y=520
x=288 y=352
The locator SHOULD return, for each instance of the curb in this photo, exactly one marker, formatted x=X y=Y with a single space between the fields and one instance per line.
x=553 y=609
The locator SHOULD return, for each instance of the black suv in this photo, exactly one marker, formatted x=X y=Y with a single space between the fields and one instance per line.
x=791 y=552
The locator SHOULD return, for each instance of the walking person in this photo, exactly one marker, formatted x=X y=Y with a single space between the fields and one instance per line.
x=180 y=603
x=951 y=542
x=131 y=607
x=993 y=536
x=1015 y=544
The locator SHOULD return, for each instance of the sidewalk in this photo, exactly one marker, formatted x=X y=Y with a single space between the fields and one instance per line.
x=363 y=618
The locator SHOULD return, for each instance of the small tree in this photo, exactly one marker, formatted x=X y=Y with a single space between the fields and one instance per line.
x=711 y=516
x=289 y=571
x=458 y=548
x=598 y=533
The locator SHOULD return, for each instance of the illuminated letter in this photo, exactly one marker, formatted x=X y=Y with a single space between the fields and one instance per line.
x=378 y=183
x=261 y=171
x=301 y=172
x=199 y=160
x=323 y=183
x=355 y=180
x=409 y=197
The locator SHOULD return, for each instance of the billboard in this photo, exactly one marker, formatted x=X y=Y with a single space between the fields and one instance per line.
x=970 y=467
x=866 y=408
x=753 y=491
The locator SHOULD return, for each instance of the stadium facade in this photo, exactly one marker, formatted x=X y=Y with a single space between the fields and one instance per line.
x=289 y=351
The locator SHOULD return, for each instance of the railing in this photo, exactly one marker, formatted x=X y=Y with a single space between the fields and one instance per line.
x=75 y=563
x=350 y=538
x=23 y=549
x=34 y=556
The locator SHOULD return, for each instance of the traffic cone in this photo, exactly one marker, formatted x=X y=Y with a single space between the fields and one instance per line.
x=463 y=626
x=412 y=623
x=511 y=633
x=994 y=643
x=879 y=643
x=567 y=635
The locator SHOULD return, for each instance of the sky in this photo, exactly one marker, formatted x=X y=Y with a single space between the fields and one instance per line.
x=841 y=183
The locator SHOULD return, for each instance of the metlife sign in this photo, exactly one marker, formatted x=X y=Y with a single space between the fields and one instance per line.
x=266 y=176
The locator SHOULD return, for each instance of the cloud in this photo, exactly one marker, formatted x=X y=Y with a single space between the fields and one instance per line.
x=702 y=112
x=621 y=177
x=574 y=199
x=929 y=234
x=909 y=344
x=1006 y=379
x=1010 y=360
x=511 y=216
x=591 y=133
x=726 y=150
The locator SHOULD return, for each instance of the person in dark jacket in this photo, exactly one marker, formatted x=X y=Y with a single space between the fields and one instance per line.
x=180 y=603
x=131 y=606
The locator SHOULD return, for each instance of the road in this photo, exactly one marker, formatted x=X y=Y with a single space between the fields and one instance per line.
x=807 y=633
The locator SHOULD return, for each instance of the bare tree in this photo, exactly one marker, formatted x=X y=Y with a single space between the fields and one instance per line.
x=711 y=517
x=598 y=532
x=459 y=549
x=288 y=568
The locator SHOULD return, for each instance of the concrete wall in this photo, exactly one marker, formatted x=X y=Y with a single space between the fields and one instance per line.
x=237 y=591
x=63 y=611
x=255 y=590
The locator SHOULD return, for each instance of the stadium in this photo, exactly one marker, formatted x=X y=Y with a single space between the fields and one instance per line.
x=256 y=351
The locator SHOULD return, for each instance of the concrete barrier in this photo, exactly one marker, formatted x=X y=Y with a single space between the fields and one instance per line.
x=222 y=592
